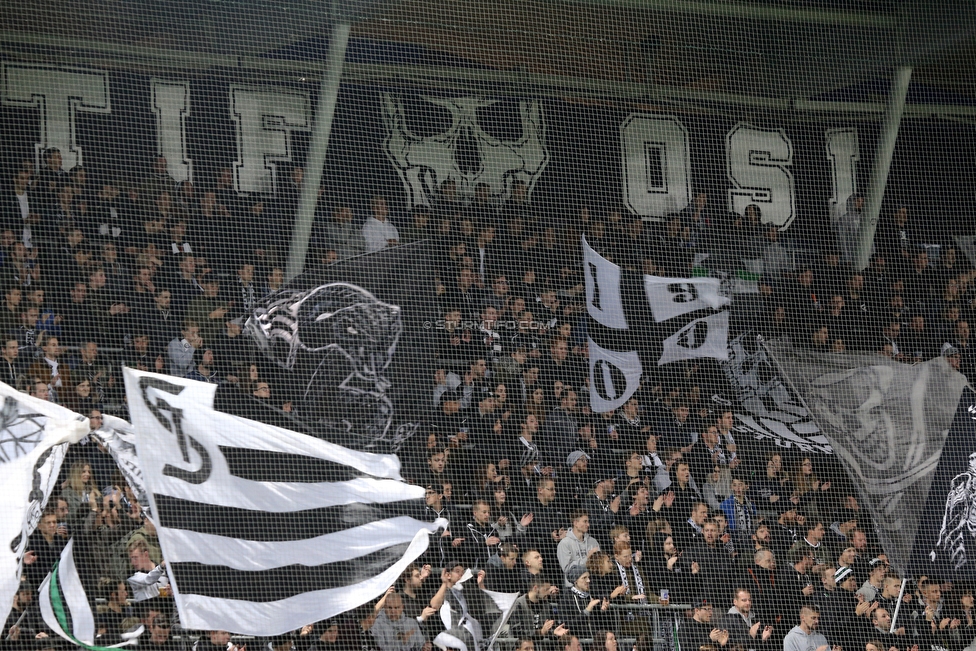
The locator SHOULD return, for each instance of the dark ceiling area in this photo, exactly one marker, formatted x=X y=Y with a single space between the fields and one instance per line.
x=766 y=49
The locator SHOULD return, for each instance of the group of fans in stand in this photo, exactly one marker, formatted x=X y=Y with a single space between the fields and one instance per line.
x=593 y=518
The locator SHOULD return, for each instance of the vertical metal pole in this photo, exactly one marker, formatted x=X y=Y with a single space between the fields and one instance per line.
x=882 y=163
x=324 y=113
x=894 y=616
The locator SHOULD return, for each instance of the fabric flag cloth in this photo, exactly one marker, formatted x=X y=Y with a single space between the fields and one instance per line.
x=945 y=545
x=350 y=345
x=887 y=422
x=265 y=530
x=34 y=436
x=638 y=322
x=66 y=608
x=119 y=439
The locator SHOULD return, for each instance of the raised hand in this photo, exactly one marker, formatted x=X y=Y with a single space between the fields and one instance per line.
x=754 y=630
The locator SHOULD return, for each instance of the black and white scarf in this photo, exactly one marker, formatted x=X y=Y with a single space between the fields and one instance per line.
x=638 y=582
x=582 y=595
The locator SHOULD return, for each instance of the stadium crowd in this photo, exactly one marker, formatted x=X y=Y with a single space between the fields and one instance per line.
x=596 y=519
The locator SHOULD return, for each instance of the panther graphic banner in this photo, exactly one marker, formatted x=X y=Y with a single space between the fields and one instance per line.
x=945 y=545
x=350 y=345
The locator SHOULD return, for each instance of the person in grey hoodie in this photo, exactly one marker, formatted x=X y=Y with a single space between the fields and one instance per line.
x=805 y=637
x=578 y=545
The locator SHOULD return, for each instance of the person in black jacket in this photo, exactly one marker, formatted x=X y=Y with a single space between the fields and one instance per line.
x=744 y=627
x=481 y=539
x=715 y=563
x=699 y=631
x=579 y=610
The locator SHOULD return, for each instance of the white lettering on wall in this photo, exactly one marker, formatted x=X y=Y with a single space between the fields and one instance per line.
x=171 y=105
x=844 y=153
x=265 y=121
x=58 y=94
x=656 y=164
x=757 y=163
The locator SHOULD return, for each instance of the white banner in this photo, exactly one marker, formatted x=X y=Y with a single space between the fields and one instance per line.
x=34 y=435
x=257 y=522
x=671 y=297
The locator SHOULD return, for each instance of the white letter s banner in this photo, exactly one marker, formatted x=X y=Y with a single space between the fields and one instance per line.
x=656 y=164
x=614 y=377
x=265 y=119
x=58 y=93
x=758 y=163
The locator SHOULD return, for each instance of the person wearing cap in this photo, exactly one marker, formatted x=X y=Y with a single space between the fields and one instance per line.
x=577 y=546
x=577 y=484
x=603 y=505
x=951 y=354
x=699 y=631
x=805 y=636
x=579 y=610
x=875 y=581
x=844 y=627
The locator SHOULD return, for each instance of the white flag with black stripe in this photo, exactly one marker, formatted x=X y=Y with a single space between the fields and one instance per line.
x=66 y=608
x=263 y=529
x=34 y=435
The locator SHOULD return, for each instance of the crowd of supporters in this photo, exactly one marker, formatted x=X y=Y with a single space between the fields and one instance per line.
x=594 y=518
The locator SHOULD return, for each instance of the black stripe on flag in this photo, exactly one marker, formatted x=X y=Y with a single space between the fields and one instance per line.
x=264 y=465
x=221 y=582
x=68 y=625
x=267 y=526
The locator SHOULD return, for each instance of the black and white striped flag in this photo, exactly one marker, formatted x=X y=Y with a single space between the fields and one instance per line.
x=263 y=529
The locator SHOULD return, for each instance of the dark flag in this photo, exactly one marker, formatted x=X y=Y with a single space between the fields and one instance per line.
x=351 y=346
x=945 y=545
x=887 y=423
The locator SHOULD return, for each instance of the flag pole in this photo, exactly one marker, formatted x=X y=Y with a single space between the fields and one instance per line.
x=894 y=616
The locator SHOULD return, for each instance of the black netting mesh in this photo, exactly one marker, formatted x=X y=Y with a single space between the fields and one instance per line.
x=664 y=308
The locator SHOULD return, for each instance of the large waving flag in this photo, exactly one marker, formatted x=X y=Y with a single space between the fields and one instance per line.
x=887 y=422
x=34 y=435
x=66 y=608
x=263 y=529
x=638 y=322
